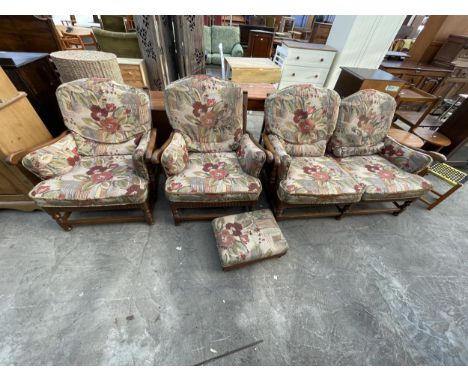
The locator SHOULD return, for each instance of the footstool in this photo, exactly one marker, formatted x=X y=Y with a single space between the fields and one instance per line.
x=247 y=238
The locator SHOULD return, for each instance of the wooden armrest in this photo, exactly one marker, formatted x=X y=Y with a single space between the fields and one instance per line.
x=269 y=147
x=15 y=157
x=156 y=157
x=269 y=155
x=151 y=144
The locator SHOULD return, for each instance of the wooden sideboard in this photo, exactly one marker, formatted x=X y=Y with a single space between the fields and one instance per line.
x=352 y=80
x=305 y=63
x=424 y=76
x=260 y=44
x=34 y=74
x=20 y=128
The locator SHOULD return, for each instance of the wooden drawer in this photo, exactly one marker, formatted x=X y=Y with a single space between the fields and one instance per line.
x=133 y=72
x=309 y=58
x=304 y=74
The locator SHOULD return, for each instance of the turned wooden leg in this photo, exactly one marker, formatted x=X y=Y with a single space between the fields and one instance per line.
x=343 y=210
x=148 y=213
x=402 y=207
x=62 y=220
x=175 y=214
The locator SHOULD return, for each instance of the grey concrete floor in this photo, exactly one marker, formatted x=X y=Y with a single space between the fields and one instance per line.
x=369 y=290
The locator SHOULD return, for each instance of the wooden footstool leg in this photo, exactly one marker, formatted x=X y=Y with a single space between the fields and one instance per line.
x=444 y=196
x=62 y=220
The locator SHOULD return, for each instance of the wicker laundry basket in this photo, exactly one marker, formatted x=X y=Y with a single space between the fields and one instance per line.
x=76 y=64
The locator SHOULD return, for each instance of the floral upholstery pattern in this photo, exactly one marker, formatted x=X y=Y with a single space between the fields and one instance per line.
x=302 y=115
x=175 y=157
x=207 y=111
x=101 y=180
x=212 y=177
x=251 y=158
x=53 y=160
x=381 y=180
x=363 y=122
x=404 y=157
x=285 y=158
x=88 y=147
x=103 y=110
x=318 y=181
x=247 y=237
x=138 y=156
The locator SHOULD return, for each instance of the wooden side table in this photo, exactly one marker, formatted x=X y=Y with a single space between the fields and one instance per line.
x=406 y=138
x=433 y=138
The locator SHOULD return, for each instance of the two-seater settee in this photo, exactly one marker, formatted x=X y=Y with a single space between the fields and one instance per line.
x=337 y=153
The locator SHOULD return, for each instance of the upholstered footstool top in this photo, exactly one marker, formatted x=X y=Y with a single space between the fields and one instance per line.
x=248 y=237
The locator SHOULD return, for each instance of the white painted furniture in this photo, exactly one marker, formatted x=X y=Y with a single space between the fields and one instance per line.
x=304 y=63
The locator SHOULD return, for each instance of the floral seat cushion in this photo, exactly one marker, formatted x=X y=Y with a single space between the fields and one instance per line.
x=318 y=180
x=248 y=237
x=212 y=177
x=381 y=180
x=102 y=180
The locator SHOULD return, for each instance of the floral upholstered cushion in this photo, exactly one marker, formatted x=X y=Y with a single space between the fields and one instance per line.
x=138 y=156
x=207 y=111
x=318 y=181
x=285 y=158
x=303 y=115
x=102 y=180
x=404 y=157
x=103 y=110
x=175 y=156
x=53 y=160
x=251 y=158
x=212 y=177
x=248 y=237
x=89 y=147
x=381 y=180
x=363 y=122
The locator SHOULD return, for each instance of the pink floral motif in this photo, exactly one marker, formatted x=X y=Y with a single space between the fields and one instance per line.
x=199 y=108
x=359 y=187
x=133 y=189
x=97 y=113
x=219 y=174
x=321 y=176
x=390 y=151
x=226 y=238
x=373 y=167
x=301 y=119
x=41 y=190
x=208 y=119
x=110 y=124
x=72 y=160
x=386 y=175
x=174 y=186
x=254 y=187
x=207 y=167
x=100 y=174
x=234 y=228
x=309 y=170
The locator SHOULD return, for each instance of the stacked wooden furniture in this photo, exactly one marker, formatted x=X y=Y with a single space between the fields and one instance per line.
x=33 y=74
x=352 y=80
x=305 y=63
x=134 y=72
x=20 y=128
x=320 y=32
x=260 y=43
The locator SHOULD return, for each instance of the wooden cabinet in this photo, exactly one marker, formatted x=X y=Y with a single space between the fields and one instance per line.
x=260 y=44
x=20 y=128
x=320 y=32
x=305 y=63
x=133 y=72
x=352 y=80
x=423 y=76
x=35 y=75
x=455 y=48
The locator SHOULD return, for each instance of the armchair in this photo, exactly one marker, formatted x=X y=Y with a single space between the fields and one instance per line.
x=101 y=162
x=229 y=37
x=209 y=160
x=122 y=44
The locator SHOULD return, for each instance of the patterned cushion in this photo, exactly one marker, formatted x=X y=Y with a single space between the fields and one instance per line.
x=363 y=122
x=251 y=158
x=103 y=110
x=92 y=148
x=212 y=177
x=175 y=157
x=382 y=180
x=303 y=115
x=94 y=181
x=207 y=111
x=404 y=157
x=318 y=181
x=55 y=159
x=228 y=36
x=248 y=237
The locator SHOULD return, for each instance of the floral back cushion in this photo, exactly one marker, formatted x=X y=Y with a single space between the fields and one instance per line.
x=363 y=122
x=53 y=160
x=89 y=147
x=206 y=111
x=303 y=115
x=103 y=110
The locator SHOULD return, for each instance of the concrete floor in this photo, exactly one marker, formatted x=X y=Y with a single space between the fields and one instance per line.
x=370 y=290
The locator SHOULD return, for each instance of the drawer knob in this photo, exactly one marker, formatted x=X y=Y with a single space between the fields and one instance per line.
x=316 y=76
x=293 y=74
x=321 y=60
x=297 y=58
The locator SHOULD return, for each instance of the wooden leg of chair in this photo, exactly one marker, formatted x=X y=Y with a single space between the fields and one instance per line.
x=343 y=210
x=444 y=196
x=62 y=221
x=279 y=209
x=175 y=214
x=402 y=207
x=147 y=212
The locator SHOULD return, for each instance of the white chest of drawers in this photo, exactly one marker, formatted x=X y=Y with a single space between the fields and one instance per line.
x=304 y=63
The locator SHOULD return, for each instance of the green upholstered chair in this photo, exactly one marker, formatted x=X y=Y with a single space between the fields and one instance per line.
x=113 y=23
x=122 y=44
x=228 y=36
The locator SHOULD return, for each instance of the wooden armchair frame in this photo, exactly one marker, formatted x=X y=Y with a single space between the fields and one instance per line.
x=176 y=207
x=62 y=214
